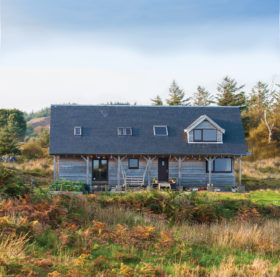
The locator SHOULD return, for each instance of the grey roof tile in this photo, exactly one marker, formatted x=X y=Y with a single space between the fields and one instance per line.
x=100 y=125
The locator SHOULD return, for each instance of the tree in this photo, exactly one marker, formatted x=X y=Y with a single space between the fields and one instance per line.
x=230 y=94
x=202 y=97
x=8 y=142
x=157 y=101
x=176 y=96
x=260 y=103
x=14 y=121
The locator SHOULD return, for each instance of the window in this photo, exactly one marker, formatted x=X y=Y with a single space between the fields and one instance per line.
x=197 y=133
x=124 y=131
x=209 y=135
x=160 y=130
x=77 y=131
x=133 y=163
x=205 y=135
x=221 y=165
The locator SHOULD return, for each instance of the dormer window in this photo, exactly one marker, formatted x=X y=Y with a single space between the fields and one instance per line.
x=204 y=130
x=205 y=135
x=124 y=131
x=77 y=131
x=160 y=130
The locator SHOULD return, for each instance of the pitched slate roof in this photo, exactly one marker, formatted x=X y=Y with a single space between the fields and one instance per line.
x=100 y=123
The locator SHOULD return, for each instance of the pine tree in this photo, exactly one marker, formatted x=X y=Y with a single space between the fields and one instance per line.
x=14 y=120
x=202 y=97
x=176 y=96
x=230 y=94
x=260 y=101
x=8 y=142
x=157 y=101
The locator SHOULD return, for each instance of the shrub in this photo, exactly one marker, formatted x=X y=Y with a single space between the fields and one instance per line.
x=66 y=185
x=48 y=240
x=10 y=184
x=32 y=150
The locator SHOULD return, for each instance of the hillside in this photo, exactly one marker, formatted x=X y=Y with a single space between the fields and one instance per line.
x=36 y=126
x=41 y=122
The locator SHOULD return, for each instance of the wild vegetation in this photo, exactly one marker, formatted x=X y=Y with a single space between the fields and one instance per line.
x=144 y=234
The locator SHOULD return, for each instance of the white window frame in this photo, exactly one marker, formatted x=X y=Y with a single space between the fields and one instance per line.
x=160 y=126
x=75 y=130
x=124 y=134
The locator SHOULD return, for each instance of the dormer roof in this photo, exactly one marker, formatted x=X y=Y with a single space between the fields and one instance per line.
x=200 y=120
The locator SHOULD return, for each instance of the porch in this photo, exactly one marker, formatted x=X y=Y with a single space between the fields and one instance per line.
x=145 y=171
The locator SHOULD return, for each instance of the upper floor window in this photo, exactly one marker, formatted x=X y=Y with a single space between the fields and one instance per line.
x=124 y=131
x=160 y=130
x=77 y=131
x=207 y=135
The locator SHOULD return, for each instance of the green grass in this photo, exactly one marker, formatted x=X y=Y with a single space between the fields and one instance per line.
x=266 y=197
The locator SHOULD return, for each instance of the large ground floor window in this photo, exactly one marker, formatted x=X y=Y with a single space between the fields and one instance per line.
x=220 y=165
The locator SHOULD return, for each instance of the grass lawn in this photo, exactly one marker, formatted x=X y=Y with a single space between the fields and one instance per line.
x=260 y=197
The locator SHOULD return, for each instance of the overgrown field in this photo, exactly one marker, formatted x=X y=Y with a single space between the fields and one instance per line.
x=140 y=234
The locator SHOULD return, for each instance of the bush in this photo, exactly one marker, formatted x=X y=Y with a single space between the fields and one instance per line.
x=10 y=184
x=48 y=240
x=66 y=185
x=32 y=150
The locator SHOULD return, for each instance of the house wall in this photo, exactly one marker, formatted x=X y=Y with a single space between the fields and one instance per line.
x=193 y=171
x=74 y=169
x=113 y=167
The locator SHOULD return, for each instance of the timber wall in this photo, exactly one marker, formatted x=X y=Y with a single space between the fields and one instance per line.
x=193 y=171
x=74 y=169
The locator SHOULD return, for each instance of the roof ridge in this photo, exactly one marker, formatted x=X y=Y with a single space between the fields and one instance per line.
x=140 y=106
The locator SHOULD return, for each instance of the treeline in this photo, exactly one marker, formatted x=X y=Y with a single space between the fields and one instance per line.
x=260 y=110
x=42 y=113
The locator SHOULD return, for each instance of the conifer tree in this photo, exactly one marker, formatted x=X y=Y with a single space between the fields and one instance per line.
x=202 y=97
x=8 y=142
x=230 y=94
x=260 y=101
x=157 y=101
x=177 y=96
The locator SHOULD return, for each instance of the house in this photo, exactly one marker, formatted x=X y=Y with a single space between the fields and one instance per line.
x=131 y=145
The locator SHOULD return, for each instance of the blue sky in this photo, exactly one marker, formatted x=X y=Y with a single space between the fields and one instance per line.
x=93 y=52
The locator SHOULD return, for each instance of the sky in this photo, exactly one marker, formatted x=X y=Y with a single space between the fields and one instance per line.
x=93 y=52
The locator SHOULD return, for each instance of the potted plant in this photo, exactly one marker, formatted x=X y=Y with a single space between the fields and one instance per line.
x=172 y=182
x=155 y=180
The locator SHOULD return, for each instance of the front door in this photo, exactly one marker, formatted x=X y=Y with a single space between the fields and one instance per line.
x=163 y=169
x=100 y=170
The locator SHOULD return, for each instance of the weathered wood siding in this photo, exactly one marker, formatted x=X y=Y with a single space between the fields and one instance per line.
x=74 y=169
x=193 y=171
x=113 y=167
